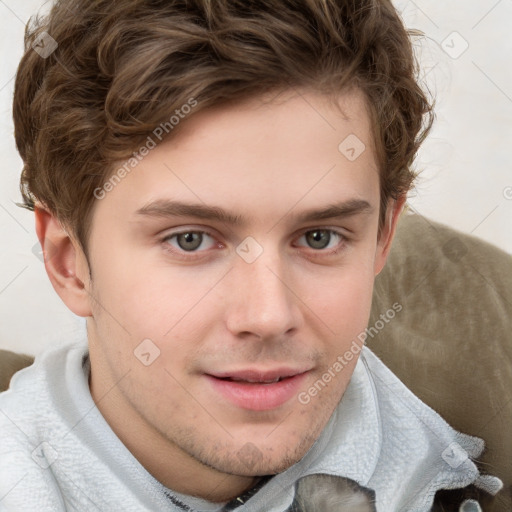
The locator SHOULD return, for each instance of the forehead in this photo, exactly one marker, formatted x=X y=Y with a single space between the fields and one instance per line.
x=262 y=155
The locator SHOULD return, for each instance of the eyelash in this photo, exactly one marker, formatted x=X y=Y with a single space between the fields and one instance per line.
x=194 y=255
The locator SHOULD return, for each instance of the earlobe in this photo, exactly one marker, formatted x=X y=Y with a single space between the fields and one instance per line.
x=65 y=263
x=387 y=234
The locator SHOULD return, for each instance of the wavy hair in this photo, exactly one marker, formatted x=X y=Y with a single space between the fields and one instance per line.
x=121 y=68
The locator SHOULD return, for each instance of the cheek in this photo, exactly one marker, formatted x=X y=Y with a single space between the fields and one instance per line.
x=170 y=304
x=145 y=294
x=171 y=307
x=343 y=303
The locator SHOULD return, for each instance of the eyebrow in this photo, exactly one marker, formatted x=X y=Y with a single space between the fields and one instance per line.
x=168 y=208
x=340 y=210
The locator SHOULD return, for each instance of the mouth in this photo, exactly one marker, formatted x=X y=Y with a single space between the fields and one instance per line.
x=258 y=390
x=257 y=381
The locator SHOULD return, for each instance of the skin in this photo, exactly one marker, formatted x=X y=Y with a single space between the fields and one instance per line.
x=296 y=305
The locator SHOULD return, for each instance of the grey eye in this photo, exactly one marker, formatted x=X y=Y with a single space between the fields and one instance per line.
x=189 y=241
x=318 y=239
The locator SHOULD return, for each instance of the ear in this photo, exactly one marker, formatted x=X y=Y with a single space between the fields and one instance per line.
x=65 y=263
x=387 y=233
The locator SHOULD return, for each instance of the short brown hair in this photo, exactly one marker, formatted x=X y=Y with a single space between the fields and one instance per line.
x=121 y=68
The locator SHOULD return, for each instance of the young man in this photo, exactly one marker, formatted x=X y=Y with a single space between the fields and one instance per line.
x=216 y=185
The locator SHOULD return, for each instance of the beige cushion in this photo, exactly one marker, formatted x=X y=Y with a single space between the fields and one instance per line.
x=10 y=363
x=452 y=342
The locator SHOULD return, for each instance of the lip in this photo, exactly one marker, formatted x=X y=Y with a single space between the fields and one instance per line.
x=254 y=389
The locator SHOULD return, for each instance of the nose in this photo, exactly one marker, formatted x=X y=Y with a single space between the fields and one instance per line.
x=263 y=304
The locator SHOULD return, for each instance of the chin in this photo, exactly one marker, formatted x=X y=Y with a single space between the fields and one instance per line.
x=252 y=459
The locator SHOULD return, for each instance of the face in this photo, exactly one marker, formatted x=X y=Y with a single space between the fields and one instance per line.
x=230 y=271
